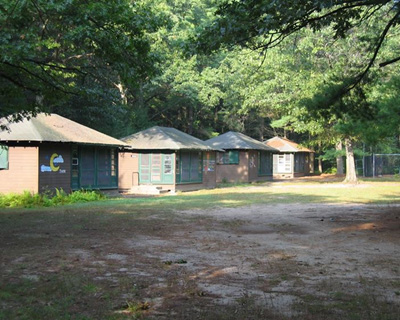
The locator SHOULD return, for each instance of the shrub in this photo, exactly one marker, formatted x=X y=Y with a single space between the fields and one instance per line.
x=331 y=170
x=60 y=197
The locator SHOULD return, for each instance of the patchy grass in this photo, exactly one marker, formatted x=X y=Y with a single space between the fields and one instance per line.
x=242 y=195
x=252 y=195
x=341 y=305
x=136 y=258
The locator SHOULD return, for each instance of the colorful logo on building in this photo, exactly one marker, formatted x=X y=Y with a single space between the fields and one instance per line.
x=54 y=165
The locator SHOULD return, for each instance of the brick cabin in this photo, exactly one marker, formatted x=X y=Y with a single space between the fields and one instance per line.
x=49 y=151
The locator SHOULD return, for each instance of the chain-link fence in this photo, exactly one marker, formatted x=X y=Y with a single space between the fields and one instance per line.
x=378 y=165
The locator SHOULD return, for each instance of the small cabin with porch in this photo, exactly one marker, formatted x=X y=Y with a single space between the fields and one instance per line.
x=48 y=151
x=244 y=160
x=163 y=159
x=292 y=160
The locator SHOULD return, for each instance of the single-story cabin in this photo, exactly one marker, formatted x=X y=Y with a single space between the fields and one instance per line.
x=49 y=151
x=292 y=160
x=244 y=160
x=165 y=159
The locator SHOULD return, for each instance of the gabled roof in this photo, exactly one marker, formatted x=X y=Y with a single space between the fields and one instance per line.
x=54 y=128
x=235 y=140
x=285 y=145
x=164 y=138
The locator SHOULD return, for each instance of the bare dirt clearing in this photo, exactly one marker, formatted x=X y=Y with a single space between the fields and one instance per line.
x=285 y=261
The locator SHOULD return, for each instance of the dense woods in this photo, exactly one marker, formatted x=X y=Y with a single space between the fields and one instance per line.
x=323 y=73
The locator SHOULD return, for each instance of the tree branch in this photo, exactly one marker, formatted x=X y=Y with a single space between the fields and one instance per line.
x=384 y=64
x=39 y=77
x=54 y=66
x=17 y=83
x=376 y=51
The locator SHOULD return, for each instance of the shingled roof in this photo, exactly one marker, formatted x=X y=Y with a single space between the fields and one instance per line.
x=235 y=140
x=164 y=138
x=285 y=145
x=54 y=128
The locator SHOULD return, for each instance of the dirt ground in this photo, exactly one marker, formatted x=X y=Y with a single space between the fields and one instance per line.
x=287 y=261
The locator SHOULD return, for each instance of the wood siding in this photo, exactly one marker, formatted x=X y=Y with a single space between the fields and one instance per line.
x=209 y=170
x=253 y=165
x=22 y=173
x=54 y=167
x=128 y=170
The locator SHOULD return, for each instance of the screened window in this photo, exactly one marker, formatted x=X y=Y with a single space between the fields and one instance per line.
x=228 y=157
x=94 y=167
x=75 y=168
x=88 y=167
x=113 y=162
x=264 y=163
x=145 y=167
x=185 y=166
x=299 y=162
x=189 y=167
x=284 y=163
x=3 y=157
x=168 y=164
x=156 y=167
x=103 y=167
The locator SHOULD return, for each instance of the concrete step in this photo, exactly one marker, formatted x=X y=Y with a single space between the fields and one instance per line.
x=147 y=189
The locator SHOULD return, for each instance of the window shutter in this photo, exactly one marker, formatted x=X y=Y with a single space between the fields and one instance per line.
x=234 y=157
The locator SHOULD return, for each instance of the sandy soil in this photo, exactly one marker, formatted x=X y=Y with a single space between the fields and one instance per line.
x=284 y=258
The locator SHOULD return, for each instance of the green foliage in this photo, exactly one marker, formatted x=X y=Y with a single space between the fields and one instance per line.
x=53 y=51
x=29 y=200
x=121 y=67
x=258 y=24
x=26 y=200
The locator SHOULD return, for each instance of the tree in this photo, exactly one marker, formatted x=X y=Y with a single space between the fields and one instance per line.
x=262 y=24
x=53 y=51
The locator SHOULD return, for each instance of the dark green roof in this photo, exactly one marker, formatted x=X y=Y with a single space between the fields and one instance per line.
x=237 y=141
x=164 y=138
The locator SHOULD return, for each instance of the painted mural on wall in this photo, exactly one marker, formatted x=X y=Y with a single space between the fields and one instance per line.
x=252 y=161
x=209 y=163
x=55 y=162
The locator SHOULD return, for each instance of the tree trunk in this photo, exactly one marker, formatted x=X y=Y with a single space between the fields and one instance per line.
x=320 y=165
x=190 y=119
x=339 y=158
x=261 y=129
x=351 y=176
x=319 y=158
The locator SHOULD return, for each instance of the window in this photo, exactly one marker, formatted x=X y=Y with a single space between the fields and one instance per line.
x=145 y=167
x=299 y=164
x=114 y=156
x=167 y=164
x=94 y=167
x=156 y=168
x=189 y=167
x=264 y=163
x=284 y=163
x=75 y=168
x=228 y=157
x=3 y=157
